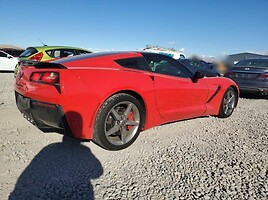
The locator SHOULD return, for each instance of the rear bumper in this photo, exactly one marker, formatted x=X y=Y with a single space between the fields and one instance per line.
x=47 y=117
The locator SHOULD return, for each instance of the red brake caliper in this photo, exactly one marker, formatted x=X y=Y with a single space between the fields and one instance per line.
x=130 y=118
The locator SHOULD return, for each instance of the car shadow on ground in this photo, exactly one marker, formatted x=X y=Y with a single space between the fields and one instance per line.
x=59 y=171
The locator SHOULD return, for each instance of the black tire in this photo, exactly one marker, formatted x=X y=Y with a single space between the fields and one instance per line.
x=118 y=122
x=228 y=103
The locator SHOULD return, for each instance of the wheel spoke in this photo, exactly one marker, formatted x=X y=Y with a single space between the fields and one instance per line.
x=132 y=123
x=123 y=135
x=113 y=130
x=226 y=109
x=229 y=95
x=115 y=114
x=230 y=99
x=127 y=111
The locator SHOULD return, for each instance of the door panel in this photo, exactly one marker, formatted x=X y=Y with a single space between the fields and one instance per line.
x=179 y=98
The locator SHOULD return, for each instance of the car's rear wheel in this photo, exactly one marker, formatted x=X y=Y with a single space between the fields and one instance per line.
x=118 y=122
x=228 y=103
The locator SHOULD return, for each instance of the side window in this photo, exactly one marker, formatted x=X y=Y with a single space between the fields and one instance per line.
x=79 y=52
x=14 y=53
x=67 y=52
x=56 y=54
x=195 y=63
x=165 y=65
x=3 y=54
x=133 y=63
x=49 y=52
x=61 y=53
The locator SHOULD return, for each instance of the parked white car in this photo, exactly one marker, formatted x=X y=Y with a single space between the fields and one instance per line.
x=164 y=51
x=7 y=61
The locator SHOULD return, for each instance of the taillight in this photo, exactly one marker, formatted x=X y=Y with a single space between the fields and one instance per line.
x=35 y=77
x=37 y=57
x=265 y=75
x=45 y=77
x=50 y=77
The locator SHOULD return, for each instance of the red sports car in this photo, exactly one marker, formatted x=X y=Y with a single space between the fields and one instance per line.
x=110 y=97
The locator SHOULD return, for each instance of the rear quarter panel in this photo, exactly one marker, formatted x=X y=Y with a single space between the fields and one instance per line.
x=85 y=90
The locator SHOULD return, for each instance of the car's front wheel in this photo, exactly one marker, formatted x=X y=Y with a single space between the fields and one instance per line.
x=118 y=122
x=228 y=103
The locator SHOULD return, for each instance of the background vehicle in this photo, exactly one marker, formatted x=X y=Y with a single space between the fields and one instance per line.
x=251 y=75
x=14 y=52
x=11 y=49
x=194 y=65
x=44 y=53
x=164 y=51
x=7 y=61
x=110 y=97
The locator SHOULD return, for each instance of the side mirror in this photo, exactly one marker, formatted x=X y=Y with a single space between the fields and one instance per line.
x=197 y=75
x=9 y=57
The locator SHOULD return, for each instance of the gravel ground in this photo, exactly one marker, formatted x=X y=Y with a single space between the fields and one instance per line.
x=204 y=158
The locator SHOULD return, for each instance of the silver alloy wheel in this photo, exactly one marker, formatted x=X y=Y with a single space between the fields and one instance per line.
x=122 y=123
x=229 y=102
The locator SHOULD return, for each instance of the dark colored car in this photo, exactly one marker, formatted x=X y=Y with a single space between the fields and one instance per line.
x=251 y=75
x=194 y=65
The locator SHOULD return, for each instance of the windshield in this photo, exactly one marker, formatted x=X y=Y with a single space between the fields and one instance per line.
x=28 y=52
x=263 y=63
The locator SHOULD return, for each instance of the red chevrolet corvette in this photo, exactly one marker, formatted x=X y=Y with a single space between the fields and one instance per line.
x=110 y=97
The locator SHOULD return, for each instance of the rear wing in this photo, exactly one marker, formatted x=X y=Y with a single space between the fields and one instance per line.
x=41 y=65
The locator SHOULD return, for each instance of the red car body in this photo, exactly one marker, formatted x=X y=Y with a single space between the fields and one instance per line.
x=85 y=82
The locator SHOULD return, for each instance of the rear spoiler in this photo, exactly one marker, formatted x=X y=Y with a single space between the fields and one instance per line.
x=42 y=65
